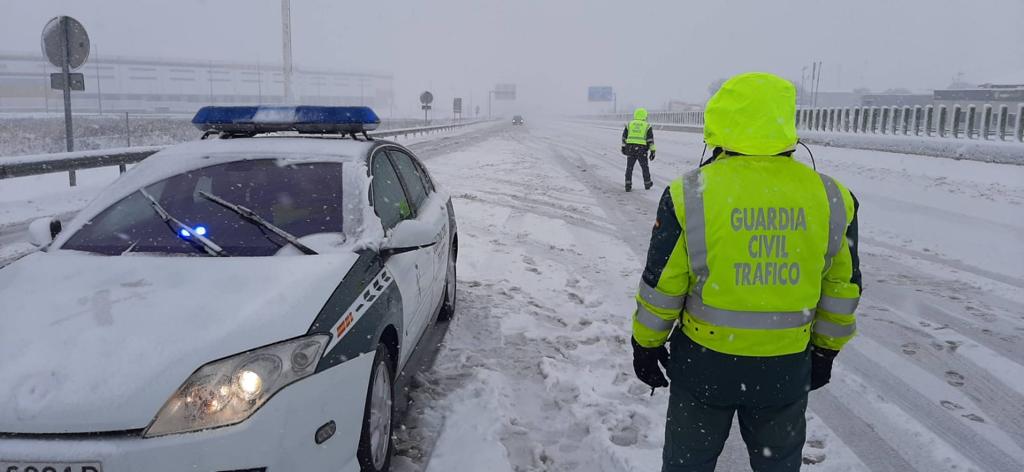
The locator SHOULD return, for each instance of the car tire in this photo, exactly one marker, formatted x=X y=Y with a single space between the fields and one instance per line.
x=450 y=282
x=375 y=442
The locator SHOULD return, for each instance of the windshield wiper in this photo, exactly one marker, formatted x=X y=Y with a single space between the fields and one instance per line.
x=252 y=217
x=209 y=246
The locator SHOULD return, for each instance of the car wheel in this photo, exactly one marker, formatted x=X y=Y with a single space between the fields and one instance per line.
x=448 y=308
x=375 y=442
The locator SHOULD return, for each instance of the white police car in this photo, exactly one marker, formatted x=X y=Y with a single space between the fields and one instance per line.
x=229 y=304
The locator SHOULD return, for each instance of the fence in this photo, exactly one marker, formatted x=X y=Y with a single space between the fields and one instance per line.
x=987 y=123
x=21 y=166
x=689 y=118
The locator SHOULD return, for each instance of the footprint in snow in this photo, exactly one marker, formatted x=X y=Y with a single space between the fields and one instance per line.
x=973 y=417
x=910 y=348
x=950 y=405
x=811 y=458
x=954 y=378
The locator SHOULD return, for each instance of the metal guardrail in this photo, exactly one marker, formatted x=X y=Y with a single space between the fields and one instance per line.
x=988 y=122
x=21 y=166
x=985 y=123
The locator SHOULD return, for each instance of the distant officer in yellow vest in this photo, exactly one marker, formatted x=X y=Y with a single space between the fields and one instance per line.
x=753 y=275
x=637 y=141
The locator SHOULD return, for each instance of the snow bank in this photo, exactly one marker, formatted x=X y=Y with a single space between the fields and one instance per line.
x=974 y=150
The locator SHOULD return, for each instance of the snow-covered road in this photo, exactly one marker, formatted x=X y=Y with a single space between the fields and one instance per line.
x=536 y=375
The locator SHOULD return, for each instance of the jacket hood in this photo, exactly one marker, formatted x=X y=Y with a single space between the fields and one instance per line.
x=640 y=114
x=752 y=113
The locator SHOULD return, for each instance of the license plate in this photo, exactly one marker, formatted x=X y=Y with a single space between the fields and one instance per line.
x=6 y=466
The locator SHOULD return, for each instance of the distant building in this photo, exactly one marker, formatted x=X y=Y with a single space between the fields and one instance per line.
x=141 y=85
x=1007 y=91
x=896 y=99
x=829 y=99
x=679 y=105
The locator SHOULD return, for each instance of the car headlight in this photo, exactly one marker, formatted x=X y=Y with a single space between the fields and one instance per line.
x=230 y=390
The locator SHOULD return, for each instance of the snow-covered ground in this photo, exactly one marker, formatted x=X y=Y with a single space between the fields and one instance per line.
x=536 y=369
x=535 y=373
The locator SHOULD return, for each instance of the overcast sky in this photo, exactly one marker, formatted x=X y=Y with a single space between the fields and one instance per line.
x=650 y=51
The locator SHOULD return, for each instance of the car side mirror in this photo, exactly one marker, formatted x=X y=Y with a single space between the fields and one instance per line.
x=43 y=231
x=409 y=235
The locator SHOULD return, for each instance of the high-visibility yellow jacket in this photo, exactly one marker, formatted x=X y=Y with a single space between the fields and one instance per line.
x=754 y=254
x=639 y=131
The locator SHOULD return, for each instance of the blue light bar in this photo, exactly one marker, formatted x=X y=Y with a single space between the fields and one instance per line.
x=268 y=119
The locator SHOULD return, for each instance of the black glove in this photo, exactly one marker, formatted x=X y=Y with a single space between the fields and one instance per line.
x=821 y=366
x=652 y=155
x=623 y=150
x=645 y=364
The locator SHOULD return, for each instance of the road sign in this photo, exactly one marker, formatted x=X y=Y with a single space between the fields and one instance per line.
x=457 y=106
x=66 y=45
x=600 y=94
x=76 y=38
x=426 y=98
x=77 y=81
x=505 y=92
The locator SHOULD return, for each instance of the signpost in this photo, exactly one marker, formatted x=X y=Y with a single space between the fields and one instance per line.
x=505 y=92
x=457 y=107
x=500 y=92
x=66 y=45
x=602 y=93
x=426 y=98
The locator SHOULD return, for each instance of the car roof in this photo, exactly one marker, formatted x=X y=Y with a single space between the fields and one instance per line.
x=335 y=146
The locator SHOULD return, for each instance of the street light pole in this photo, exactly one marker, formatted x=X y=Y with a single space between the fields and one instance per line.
x=489 y=95
x=286 y=38
x=99 y=90
x=259 y=82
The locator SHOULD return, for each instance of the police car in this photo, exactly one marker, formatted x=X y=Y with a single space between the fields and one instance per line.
x=245 y=303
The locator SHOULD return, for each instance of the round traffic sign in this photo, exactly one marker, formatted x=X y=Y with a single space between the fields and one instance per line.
x=55 y=33
x=426 y=98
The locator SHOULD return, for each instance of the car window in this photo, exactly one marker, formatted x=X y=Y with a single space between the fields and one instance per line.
x=301 y=199
x=411 y=176
x=389 y=199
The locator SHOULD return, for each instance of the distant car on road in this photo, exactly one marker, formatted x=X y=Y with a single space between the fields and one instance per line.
x=229 y=304
x=517 y=120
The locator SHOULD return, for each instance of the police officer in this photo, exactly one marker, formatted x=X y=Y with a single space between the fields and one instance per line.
x=637 y=140
x=755 y=256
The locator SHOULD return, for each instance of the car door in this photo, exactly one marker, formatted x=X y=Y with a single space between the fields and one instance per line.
x=412 y=270
x=431 y=210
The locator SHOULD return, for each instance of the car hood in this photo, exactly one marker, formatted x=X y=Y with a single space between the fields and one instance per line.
x=97 y=343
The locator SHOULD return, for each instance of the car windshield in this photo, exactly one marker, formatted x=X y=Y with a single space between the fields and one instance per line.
x=302 y=199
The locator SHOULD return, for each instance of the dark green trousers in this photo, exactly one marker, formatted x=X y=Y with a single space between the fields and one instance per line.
x=768 y=395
